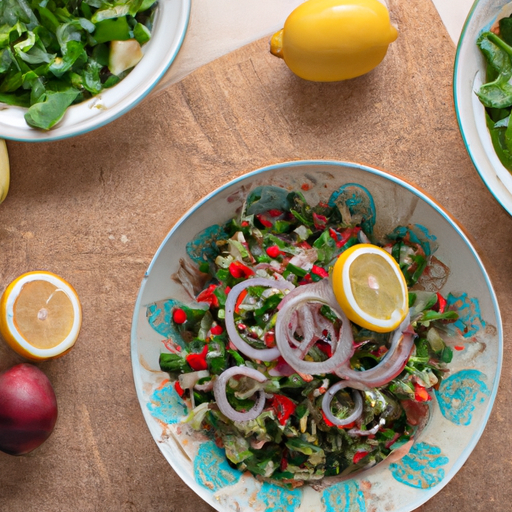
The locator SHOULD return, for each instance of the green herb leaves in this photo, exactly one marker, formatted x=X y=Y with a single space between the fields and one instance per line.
x=55 y=53
x=496 y=93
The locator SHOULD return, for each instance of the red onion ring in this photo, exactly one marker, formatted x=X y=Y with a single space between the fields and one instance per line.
x=266 y=354
x=327 y=399
x=390 y=366
x=219 y=391
x=342 y=350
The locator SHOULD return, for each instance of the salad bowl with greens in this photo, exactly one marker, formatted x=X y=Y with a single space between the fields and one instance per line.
x=261 y=392
x=67 y=67
x=483 y=94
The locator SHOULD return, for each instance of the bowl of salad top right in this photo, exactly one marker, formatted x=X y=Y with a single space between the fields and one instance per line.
x=483 y=94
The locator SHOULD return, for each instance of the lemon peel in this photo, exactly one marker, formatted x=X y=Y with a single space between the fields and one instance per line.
x=333 y=40
x=370 y=288
x=5 y=173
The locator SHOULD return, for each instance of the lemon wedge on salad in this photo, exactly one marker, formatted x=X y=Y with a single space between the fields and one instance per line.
x=370 y=288
x=40 y=316
x=4 y=170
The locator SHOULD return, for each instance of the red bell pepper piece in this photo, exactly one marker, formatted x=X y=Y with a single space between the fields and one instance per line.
x=319 y=271
x=320 y=221
x=420 y=393
x=331 y=424
x=178 y=388
x=238 y=270
x=264 y=221
x=208 y=296
x=284 y=408
x=441 y=302
x=358 y=456
x=198 y=361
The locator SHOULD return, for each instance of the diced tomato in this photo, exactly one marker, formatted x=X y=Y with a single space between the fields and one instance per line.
x=275 y=213
x=273 y=251
x=179 y=316
x=216 y=330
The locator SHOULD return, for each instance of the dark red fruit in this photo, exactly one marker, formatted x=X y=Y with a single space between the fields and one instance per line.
x=28 y=409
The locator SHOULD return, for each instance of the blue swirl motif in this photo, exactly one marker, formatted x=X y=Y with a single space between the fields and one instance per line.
x=344 y=497
x=359 y=201
x=458 y=394
x=421 y=467
x=416 y=234
x=204 y=248
x=277 y=499
x=211 y=468
x=470 y=320
x=166 y=405
x=159 y=315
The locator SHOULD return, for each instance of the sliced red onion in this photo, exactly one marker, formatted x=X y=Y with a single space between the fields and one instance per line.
x=327 y=399
x=359 y=433
x=286 y=324
x=266 y=354
x=391 y=364
x=219 y=391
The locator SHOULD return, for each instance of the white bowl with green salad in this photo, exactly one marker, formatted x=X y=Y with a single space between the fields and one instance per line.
x=483 y=94
x=307 y=338
x=68 y=68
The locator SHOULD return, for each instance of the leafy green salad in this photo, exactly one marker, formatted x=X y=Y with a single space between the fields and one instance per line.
x=56 y=53
x=314 y=395
x=496 y=93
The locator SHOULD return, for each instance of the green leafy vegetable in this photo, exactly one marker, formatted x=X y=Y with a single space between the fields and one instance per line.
x=55 y=53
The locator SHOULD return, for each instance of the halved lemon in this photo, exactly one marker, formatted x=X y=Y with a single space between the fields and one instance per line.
x=40 y=315
x=370 y=288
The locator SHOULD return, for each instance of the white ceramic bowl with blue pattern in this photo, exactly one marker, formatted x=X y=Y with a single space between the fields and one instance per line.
x=459 y=411
x=169 y=28
x=469 y=74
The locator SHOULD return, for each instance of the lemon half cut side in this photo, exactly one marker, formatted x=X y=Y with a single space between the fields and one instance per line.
x=40 y=315
x=370 y=288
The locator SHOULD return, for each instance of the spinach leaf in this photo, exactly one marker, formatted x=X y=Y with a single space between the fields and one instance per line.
x=497 y=93
x=49 y=112
x=55 y=53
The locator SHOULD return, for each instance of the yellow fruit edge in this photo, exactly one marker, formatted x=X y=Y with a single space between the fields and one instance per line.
x=5 y=172
x=5 y=331
x=339 y=291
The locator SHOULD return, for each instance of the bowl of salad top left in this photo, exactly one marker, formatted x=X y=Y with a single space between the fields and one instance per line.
x=66 y=70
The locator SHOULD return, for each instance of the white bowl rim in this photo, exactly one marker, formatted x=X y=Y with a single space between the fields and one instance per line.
x=130 y=101
x=414 y=190
x=458 y=107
